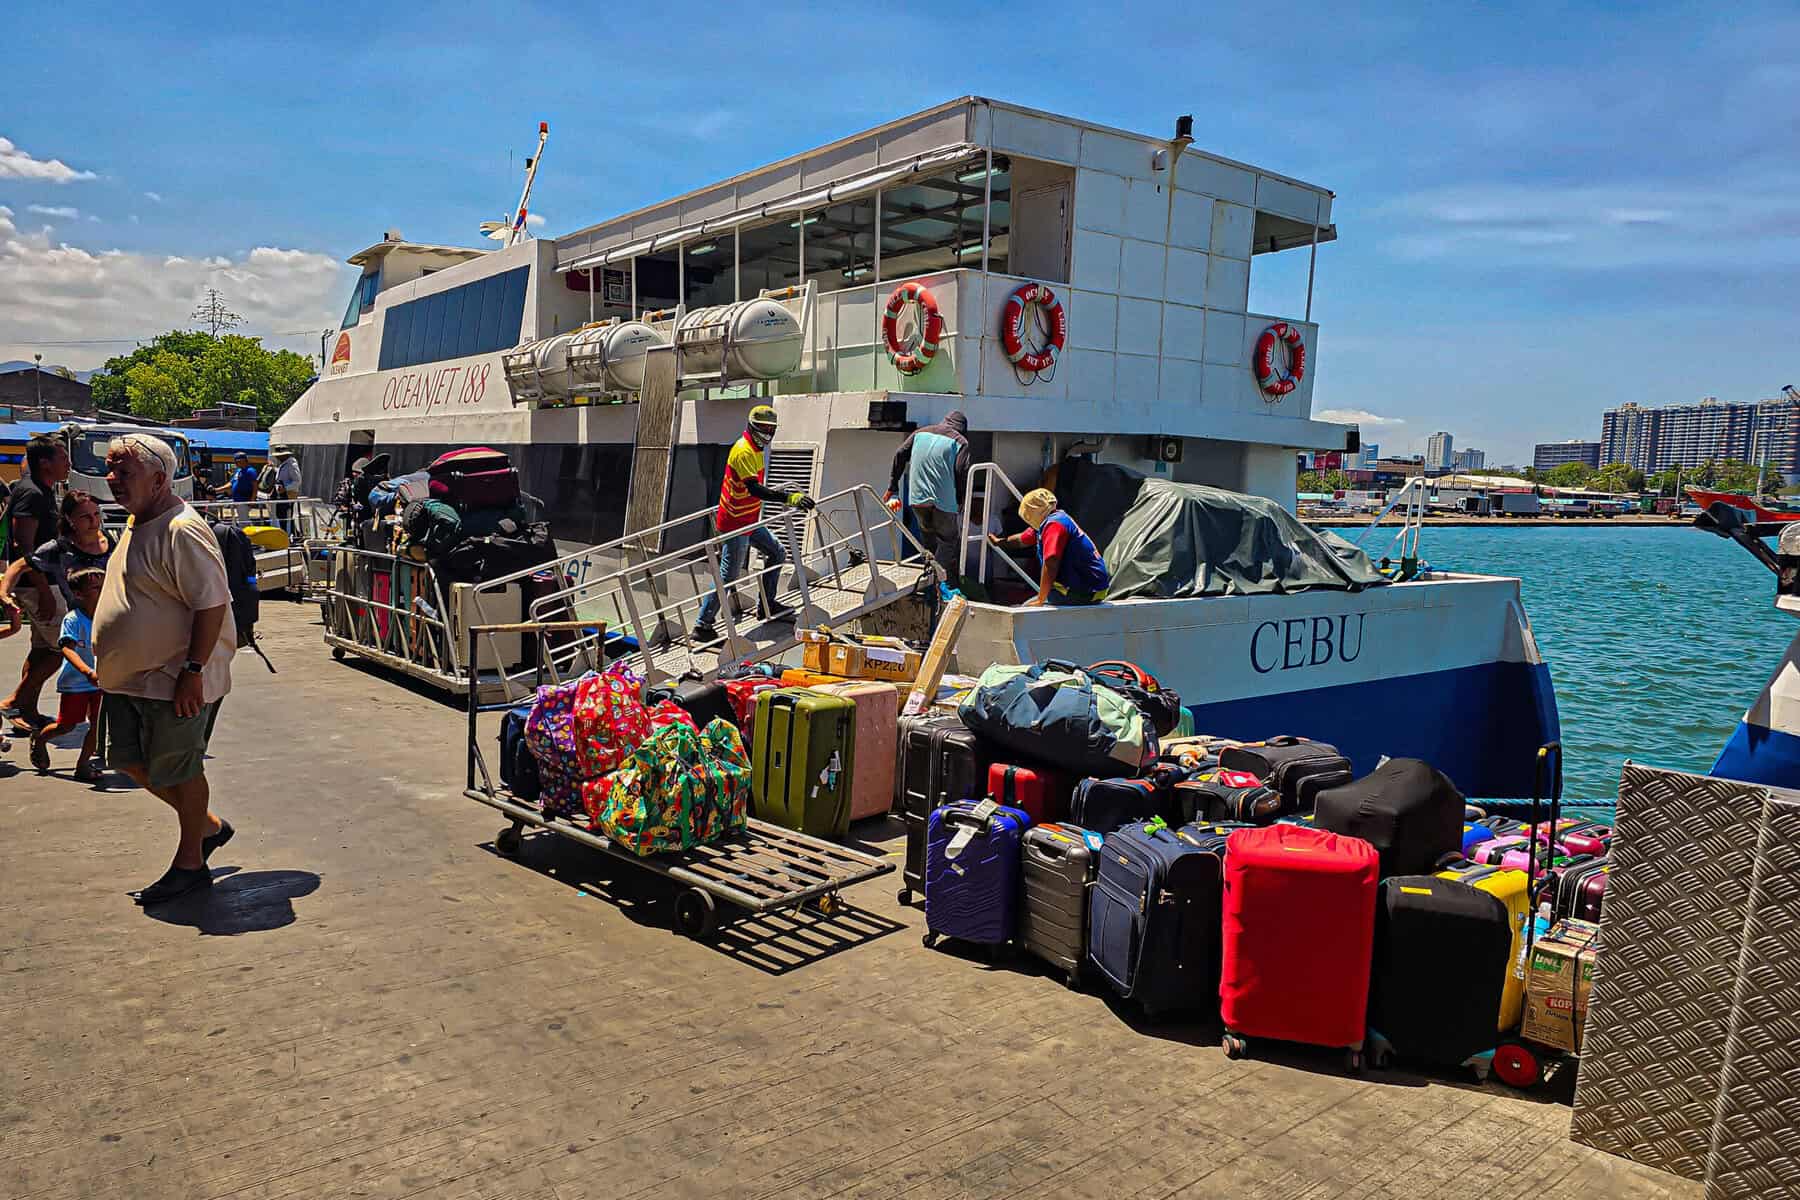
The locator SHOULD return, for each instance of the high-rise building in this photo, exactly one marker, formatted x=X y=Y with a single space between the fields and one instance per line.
x=1688 y=435
x=1469 y=461
x=1550 y=455
x=1438 y=451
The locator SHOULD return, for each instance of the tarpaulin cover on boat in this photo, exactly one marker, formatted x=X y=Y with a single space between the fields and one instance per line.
x=1163 y=539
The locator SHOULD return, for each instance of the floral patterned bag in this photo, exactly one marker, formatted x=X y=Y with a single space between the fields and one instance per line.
x=679 y=788
x=550 y=736
x=609 y=720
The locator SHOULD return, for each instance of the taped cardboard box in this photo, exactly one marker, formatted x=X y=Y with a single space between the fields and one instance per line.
x=887 y=659
x=1557 y=984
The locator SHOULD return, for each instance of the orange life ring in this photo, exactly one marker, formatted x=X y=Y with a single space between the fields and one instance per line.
x=1012 y=327
x=931 y=328
x=1262 y=361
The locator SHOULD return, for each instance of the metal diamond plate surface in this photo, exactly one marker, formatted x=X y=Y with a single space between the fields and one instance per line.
x=1671 y=934
x=1756 y=1138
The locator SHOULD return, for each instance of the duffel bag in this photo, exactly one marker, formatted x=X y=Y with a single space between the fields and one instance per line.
x=432 y=525
x=474 y=477
x=1160 y=705
x=511 y=521
x=679 y=788
x=1055 y=713
x=480 y=559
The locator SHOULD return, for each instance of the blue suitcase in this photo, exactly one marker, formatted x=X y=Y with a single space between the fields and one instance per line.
x=518 y=766
x=1474 y=835
x=1103 y=805
x=972 y=872
x=1154 y=930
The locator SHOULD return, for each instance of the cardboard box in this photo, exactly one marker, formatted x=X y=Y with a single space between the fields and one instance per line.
x=1557 y=982
x=885 y=658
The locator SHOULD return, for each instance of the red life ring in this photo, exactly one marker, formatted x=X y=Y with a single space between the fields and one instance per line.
x=1272 y=381
x=1012 y=327
x=931 y=328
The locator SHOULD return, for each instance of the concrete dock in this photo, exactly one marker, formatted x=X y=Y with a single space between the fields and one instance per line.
x=372 y=1002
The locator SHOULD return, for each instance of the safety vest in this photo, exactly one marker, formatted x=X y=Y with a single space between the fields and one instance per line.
x=738 y=509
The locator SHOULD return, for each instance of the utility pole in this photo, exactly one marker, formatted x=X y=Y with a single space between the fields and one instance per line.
x=38 y=377
x=212 y=313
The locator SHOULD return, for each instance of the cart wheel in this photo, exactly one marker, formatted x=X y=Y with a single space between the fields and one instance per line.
x=1517 y=1065
x=1234 y=1046
x=1380 y=1052
x=337 y=652
x=1353 y=1061
x=829 y=903
x=930 y=939
x=1073 y=980
x=695 y=914
x=508 y=841
x=905 y=897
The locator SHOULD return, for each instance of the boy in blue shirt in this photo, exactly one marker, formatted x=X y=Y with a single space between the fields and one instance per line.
x=79 y=684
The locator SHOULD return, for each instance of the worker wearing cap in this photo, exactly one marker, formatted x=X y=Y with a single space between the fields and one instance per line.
x=280 y=483
x=741 y=498
x=1073 y=571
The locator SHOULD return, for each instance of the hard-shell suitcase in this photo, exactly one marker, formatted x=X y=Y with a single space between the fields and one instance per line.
x=1515 y=850
x=1510 y=887
x=703 y=700
x=1473 y=836
x=1153 y=919
x=972 y=872
x=1103 y=805
x=518 y=766
x=1043 y=792
x=1297 y=768
x=1407 y=809
x=1581 y=837
x=1502 y=826
x=1219 y=795
x=877 y=730
x=1439 y=947
x=1059 y=862
x=1582 y=888
x=474 y=477
x=795 y=677
x=939 y=761
x=1299 y=926
x=803 y=761
x=742 y=694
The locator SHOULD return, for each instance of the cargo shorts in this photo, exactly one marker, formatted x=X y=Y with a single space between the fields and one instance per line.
x=46 y=626
x=148 y=734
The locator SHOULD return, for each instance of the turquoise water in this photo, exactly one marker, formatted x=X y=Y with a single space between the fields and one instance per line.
x=1657 y=639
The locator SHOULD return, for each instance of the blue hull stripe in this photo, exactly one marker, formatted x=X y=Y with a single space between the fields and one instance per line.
x=1480 y=725
x=1755 y=754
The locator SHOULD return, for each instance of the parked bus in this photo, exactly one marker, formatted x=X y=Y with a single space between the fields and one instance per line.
x=87 y=442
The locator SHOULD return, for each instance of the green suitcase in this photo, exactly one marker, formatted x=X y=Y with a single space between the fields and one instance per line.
x=803 y=759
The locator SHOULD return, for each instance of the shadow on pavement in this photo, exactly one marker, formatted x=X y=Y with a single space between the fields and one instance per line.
x=239 y=902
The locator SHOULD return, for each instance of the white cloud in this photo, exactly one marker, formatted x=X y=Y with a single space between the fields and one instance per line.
x=153 y=197
x=59 y=292
x=534 y=220
x=1356 y=416
x=61 y=211
x=17 y=164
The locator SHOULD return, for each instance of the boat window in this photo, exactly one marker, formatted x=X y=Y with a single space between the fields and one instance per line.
x=840 y=245
x=476 y=318
x=362 y=297
x=935 y=224
x=770 y=255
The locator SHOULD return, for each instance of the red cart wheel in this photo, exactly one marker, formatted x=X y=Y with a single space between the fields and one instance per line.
x=1517 y=1065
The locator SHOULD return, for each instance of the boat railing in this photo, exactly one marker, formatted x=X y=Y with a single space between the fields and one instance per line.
x=307 y=522
x=984 y=479
x=845 y=558
x=393 y=610
x=1410 y=501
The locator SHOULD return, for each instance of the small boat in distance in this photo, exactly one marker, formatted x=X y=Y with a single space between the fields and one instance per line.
x=1769 y=516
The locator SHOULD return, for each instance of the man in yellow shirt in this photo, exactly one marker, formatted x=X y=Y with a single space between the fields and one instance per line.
x=741 y=498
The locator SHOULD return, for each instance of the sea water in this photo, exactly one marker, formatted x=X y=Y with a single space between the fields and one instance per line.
x=1658 y=639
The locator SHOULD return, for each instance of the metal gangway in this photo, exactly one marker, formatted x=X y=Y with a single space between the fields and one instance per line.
x=987 y=481
x=847 y=558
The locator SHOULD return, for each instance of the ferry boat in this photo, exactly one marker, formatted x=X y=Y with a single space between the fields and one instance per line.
x=1074 y=289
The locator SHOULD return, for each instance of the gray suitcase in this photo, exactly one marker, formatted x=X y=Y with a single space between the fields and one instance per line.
x=1059 y=869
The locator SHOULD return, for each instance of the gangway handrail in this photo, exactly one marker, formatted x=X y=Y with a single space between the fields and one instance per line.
x=987 y=472
x=1406 y=540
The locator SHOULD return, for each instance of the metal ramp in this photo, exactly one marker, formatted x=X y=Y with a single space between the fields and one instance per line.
x=846 y=558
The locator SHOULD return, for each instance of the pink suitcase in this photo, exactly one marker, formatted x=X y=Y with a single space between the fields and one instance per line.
x=1581 y=837
x=1513 y=853
x=877 y=743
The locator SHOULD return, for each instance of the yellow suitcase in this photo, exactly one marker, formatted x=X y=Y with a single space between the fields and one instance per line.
x=1511 y=886
x=266 y=537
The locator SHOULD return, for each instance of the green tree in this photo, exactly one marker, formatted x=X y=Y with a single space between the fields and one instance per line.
x=1617 y=477
x=161 y=388
x=1568 y=475
x=1663 y=483
x=182 y=370
x=108 y=383
x=1327 y=481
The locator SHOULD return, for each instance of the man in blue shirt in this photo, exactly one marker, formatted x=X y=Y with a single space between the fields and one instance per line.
x=243 y=483
x=935 y=460
x=1073 y=571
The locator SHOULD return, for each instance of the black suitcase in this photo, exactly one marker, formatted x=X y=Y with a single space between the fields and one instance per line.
x=703 y=700
x=1104 y=805
x=1209 y=797
x=1059 y=867
x=1442 y=950
x=1297 y=768
x=1407 y=809
x=518 y=766
x=940 y=761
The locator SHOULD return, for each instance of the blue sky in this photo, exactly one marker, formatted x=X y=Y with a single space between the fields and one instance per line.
x=1545 y=209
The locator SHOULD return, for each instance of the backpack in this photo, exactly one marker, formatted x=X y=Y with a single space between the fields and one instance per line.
x=1160 y=705
x=432 y=525
x=240 y=574
x=1056 y=713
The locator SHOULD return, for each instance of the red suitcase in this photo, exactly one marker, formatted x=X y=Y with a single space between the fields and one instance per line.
x=1299 y=934
x=742 y=695
x=1043 y=793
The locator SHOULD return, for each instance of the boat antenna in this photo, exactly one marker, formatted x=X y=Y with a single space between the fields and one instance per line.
x=510 y=233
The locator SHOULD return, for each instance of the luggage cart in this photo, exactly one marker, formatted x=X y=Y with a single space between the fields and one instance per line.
x=1519 y=1061
x=764 y=869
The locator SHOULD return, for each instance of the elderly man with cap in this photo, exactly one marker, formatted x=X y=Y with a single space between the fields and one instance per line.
x=741 y=498
x=1073 y=571
x=280 y=483
x=163 y=647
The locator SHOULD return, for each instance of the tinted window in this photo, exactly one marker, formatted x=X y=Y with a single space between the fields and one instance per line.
x=476 y=318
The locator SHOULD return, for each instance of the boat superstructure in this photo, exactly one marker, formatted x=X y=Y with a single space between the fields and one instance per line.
x=1089 y=294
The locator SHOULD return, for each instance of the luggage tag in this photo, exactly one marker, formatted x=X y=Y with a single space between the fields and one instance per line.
x=960 y=840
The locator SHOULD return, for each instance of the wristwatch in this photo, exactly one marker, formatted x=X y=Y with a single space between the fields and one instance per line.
x=193 y=666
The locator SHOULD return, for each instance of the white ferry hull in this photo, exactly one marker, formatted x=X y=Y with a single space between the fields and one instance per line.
x=1445 y=670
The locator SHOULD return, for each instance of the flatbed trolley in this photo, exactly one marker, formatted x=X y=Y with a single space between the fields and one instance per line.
x=765 y=869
